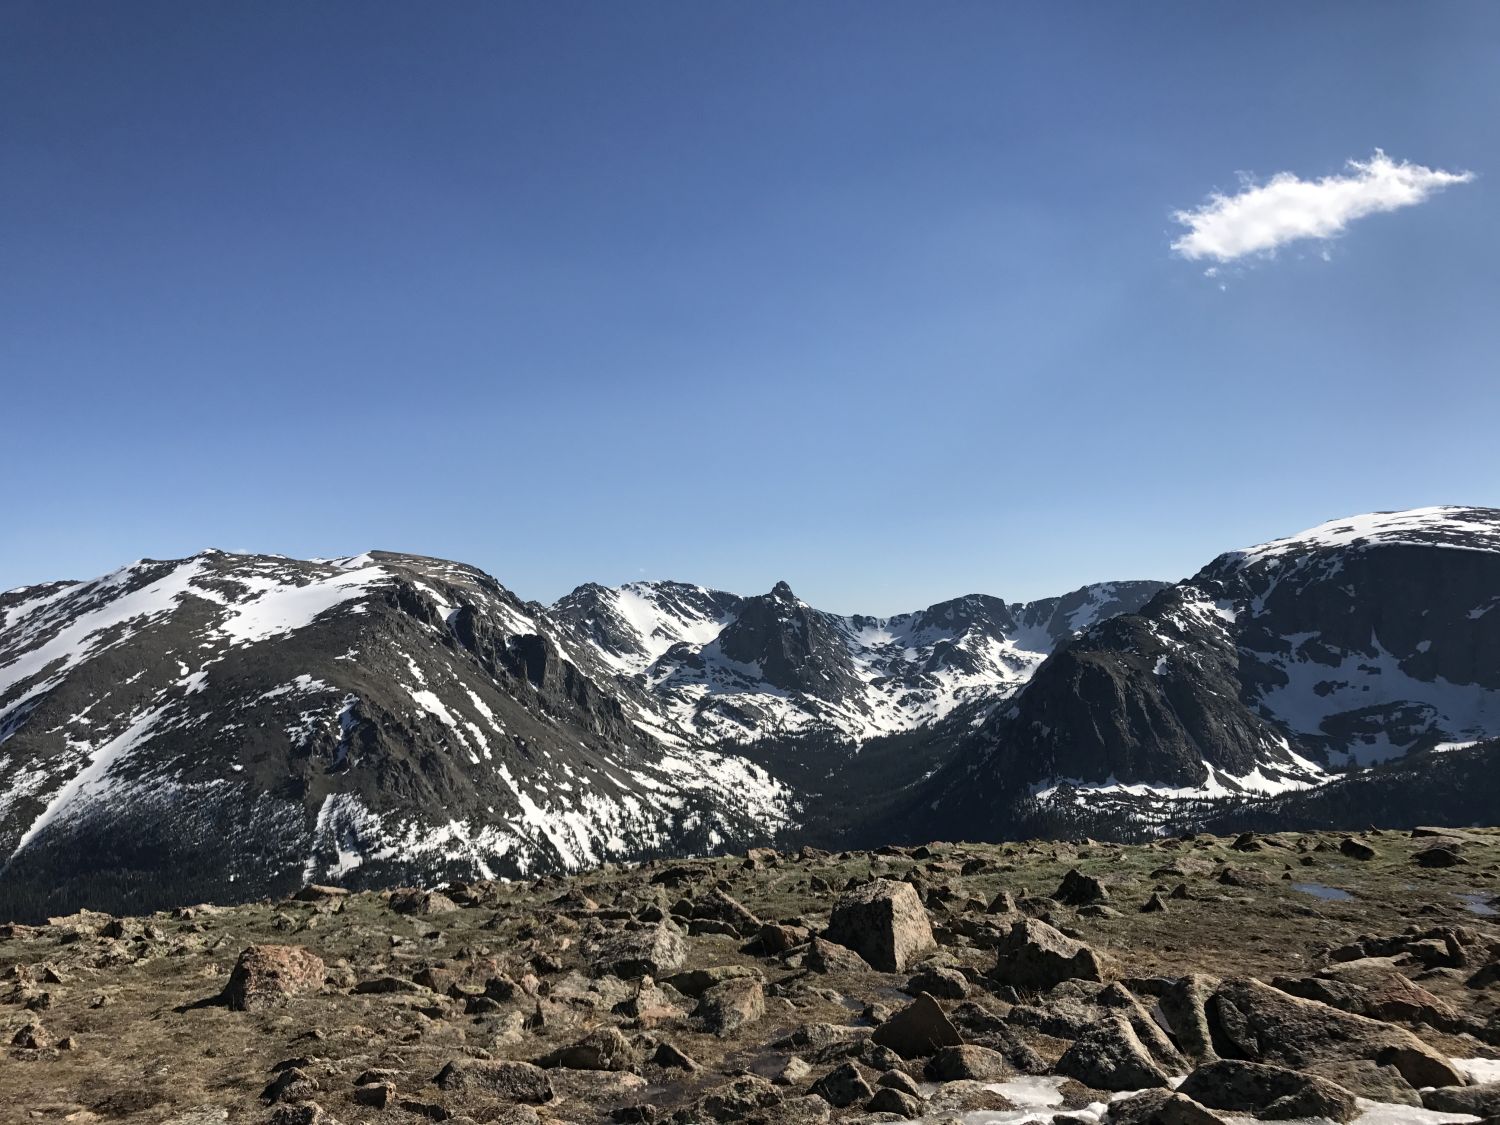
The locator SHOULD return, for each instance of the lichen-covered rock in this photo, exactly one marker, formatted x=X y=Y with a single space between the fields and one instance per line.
x=1110 y=1056
x=1268 y=1091
x=266 y=976
x=1034 y=955
x=884 y=922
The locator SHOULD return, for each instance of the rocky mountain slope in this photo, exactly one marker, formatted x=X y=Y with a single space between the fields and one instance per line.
x=229 y=725
x=730 y=669
x=1353 y=643
x=1265 y=977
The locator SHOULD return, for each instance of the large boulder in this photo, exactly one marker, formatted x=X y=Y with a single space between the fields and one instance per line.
x=266 y=976
x=651 y=951
x=884 y=922
x=604 y=1048
x=1268 y=1091
x=1110 y=1056
x=1253 y=1021
x=1034 y=956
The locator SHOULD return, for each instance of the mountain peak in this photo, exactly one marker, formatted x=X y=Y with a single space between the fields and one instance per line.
x=783 y=592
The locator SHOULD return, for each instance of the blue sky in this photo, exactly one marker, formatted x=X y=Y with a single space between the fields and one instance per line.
x=877 y=298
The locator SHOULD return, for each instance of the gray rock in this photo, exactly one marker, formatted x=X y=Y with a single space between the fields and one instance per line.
x=1034 y=955
x=1268 y=1091
x=1111 y=1056
x=884 y=922
x=917 y=1030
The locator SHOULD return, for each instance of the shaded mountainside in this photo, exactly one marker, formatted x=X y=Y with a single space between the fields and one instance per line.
x=724 y=669
x=1353 y=643
x=238 y=725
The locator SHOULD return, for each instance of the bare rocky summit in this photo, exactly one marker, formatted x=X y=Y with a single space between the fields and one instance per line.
x=925 y=983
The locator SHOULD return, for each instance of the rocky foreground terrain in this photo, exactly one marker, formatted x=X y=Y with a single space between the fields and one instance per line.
x=1324 y=977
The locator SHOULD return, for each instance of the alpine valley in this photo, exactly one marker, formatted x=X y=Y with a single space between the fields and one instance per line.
x=231 y=726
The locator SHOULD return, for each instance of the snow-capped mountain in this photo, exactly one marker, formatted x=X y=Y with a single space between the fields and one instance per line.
x=233 y=725
x=249 y=723
x=1271 y=669
x=724 y=669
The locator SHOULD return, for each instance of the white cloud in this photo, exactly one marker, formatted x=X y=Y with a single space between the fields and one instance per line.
x=1262 y=217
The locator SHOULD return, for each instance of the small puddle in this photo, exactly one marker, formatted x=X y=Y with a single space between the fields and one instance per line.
x=1479 y=902
x=1324 y=892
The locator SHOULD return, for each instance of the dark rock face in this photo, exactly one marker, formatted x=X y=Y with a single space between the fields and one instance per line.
x=1034 y=955
x=1350 y=644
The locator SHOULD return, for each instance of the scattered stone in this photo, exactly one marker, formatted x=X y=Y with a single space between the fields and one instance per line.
x=952 y=1064
x=792 y=1072
x=1078 y=889
x=1155 y=904
x=889 y=1100
x=414 y=900
x=512 y=1081
x=936 y=980
x=673 y=1058
x=32 y=1037
x=726 y=1007
x=1158 y=1107
x=1444 y=855
x=827 y=957
x=884 y=922
x=1481 y=1101
x=604 y=1048
x=1356 y=849
x=377 y=1095
x=652 y=951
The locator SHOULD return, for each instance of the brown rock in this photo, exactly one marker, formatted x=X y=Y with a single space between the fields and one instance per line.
x=266 y=976
x=728 y=1006
x=512 y=1081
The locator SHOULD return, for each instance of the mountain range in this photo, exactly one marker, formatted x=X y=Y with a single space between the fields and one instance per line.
x=232 y=725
